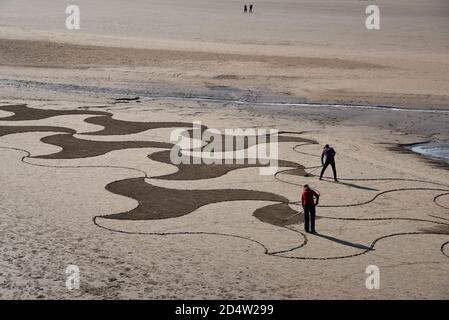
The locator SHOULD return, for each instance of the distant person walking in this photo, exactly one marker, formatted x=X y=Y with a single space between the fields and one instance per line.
x=328 y=155
x=245 y=8
x=250 y=8
x=309 y=200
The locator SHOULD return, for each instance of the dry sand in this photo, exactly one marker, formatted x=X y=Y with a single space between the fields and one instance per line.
x=86 y=179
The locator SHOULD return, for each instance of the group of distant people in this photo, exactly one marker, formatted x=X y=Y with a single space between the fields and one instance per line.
x=309 y=197
x=247 y=8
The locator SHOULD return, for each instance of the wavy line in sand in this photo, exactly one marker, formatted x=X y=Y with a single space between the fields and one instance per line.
x=125 y=187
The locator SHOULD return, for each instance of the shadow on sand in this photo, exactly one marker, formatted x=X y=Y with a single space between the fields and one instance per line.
x=352 y=185
x=344 y=242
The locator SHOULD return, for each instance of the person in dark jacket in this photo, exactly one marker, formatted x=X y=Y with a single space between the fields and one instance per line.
x=328 y=158
x=245 y=8
x=250 y=8
x=309 y=200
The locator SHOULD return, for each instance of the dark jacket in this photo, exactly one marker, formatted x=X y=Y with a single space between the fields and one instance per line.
x=328 y=153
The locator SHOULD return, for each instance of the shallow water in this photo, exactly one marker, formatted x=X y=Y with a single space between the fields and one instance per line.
x=432 y=150
x=214 y=97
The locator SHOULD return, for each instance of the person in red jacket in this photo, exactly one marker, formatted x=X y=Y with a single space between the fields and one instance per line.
x=309 y=200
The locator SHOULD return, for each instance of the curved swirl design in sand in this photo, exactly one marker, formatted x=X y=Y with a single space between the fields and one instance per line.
x=159 y=203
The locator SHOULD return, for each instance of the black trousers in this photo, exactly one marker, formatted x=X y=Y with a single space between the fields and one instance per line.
x=309 y=218
x=326 y=164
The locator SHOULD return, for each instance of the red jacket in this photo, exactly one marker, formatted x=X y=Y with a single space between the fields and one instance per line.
x=307 y=197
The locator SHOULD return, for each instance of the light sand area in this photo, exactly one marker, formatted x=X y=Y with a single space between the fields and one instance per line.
x=57 y=211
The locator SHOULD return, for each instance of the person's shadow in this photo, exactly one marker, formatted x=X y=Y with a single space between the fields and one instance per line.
x=344 y=242
x=353 y=185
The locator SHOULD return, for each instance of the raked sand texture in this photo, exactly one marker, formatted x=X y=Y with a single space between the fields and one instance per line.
x=136 y=229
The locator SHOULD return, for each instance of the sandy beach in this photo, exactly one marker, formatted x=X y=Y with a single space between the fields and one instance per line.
x=87 y=179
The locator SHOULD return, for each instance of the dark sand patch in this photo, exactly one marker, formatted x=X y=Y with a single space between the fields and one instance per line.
x=279 y=214
x=5 y=130
x=121 y=127
x=439 y=229
x=73 y=148
x=162 y=203
x=297 y=172
x=207 y=171
x=248 y=140
x=23 y=113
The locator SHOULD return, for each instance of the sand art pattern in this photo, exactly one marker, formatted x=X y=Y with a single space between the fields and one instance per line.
x=158 y=203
